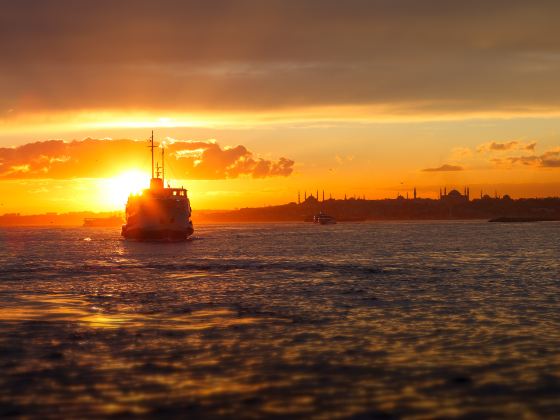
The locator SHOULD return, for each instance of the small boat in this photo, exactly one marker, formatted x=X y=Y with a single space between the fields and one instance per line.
x=159 y=213
x=324 y=219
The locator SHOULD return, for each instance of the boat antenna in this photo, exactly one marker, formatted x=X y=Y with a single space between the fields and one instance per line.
x=157 y=170
x=162 y=164
x=151 y=146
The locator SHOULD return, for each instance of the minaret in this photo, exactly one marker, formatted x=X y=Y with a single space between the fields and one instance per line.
x=323 y=195
x=445 y=191
x=305 y=196
x=298 y=197
x=415 y=193
x=468 y=194
x=317 y=196
x=440 y=193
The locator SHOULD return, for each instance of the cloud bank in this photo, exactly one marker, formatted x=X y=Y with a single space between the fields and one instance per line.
x=92 y=158
x=432 y=56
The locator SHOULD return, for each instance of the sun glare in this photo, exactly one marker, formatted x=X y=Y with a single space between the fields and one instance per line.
x=118 y=188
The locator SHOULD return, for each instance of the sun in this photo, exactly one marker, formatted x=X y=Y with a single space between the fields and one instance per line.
x=117 y=189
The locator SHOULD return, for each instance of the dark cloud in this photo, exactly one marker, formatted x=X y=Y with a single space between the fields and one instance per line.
x=503 y=146
x=531 y=146
x=417 y=56
x=444 y=168
x=91 y=158
x=549 y=159
x=550 y=163
x=496 y=146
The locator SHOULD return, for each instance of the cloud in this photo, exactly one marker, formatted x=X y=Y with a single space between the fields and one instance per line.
x=530 y=146
x=495 y=146
x=444 y=168
x=92 y=158
x=410 y=56
x=549 y=159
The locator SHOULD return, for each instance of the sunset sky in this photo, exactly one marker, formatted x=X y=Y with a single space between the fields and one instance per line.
x=259 y=99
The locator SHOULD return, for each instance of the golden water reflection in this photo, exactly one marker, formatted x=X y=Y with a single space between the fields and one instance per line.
x=57 y=308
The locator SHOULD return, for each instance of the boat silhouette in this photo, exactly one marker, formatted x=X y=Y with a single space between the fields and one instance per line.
x=324 y=219
x=158 y=213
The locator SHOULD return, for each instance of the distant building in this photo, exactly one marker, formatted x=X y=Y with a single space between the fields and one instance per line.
x=454 y=196
x=311 y=200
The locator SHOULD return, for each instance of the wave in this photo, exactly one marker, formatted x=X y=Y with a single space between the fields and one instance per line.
x=210 y=266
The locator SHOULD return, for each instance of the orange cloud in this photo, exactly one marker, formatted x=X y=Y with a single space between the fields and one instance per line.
x=93 y=158
x=444 y=168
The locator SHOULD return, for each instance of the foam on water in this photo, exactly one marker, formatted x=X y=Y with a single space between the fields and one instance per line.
x=439 y=319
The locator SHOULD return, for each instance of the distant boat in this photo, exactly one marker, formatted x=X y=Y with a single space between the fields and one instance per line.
x=324 y=219
x=158 y=213
x=103 y=221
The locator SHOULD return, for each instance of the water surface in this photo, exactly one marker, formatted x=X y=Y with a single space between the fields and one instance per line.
x=410 y=319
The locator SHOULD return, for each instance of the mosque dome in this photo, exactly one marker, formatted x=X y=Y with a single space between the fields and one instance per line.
x=454 y=193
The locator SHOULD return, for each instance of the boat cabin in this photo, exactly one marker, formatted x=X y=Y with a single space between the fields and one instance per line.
x=157 y=188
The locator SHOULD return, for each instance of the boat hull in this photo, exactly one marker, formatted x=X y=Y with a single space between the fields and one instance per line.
x=324 y=219
x=157 y=235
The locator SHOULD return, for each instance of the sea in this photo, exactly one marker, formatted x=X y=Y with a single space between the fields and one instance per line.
x=444 y=319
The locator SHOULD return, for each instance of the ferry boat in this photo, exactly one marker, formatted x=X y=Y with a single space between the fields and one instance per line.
x=159 y=213
x=324 y=219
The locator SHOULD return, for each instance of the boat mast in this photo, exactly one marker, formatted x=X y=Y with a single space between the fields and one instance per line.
x=162 y=165
x=151 y=146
